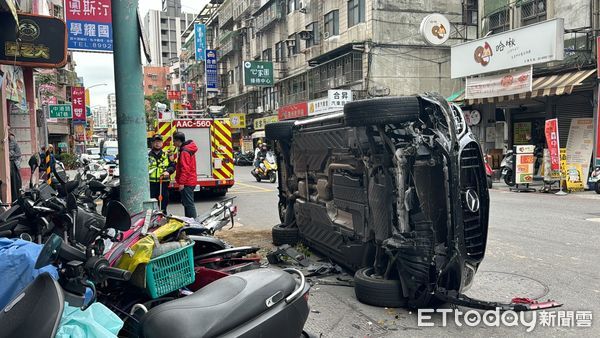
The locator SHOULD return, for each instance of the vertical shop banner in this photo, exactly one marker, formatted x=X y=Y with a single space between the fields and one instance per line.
x=89 y=25
x=200 y=41
x=580 y=146
x=78 y=103
x=211 y=77
x=79 y=131
x=553 y=143
x=524 y=166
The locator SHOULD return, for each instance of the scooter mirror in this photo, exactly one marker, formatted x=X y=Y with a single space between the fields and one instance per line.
x=117 y=216
x=49 y=252
x=96 y=185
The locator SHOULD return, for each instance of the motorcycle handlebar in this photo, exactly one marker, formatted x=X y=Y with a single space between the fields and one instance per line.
x=114 y=273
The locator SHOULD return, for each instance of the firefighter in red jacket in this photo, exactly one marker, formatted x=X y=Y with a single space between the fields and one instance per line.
x=185 y=172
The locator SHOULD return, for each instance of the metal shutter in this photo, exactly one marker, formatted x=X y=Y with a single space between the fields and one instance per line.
x=569 y=107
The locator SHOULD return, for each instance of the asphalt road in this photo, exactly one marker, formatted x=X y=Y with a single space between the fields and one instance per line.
x=540 y=246
x=256 y=202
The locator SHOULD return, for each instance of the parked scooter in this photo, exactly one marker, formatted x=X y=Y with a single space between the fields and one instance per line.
x=262 y=302
x=507 y=166
x=243 y=159
x=267 y=169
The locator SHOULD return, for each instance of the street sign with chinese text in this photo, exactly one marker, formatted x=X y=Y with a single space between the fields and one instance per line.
x=293 y=111
x=174 y=95
x=339 y=97
x=212 y=83
x=238 y=121
x=258 y=73
x=78 y=102
x=260 y=123
x=38 y=41
x=200 y=41
x=60 y=111
x=89 y=25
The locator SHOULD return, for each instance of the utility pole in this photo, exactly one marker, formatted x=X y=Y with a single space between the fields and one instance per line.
x=131 y=119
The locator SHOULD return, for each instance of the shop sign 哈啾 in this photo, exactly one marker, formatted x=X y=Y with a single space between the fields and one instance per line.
x=38 y=41
x=511 y=83
x=537 y=43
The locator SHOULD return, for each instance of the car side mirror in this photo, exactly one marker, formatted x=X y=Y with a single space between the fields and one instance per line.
x=117 y=216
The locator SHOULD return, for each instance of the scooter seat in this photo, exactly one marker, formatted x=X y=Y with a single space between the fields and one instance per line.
x=220 y=306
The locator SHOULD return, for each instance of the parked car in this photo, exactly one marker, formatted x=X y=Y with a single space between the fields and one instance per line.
x=392 y=188
x=109 y=151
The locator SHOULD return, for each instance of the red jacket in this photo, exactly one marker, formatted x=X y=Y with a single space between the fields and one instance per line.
x=185 y=172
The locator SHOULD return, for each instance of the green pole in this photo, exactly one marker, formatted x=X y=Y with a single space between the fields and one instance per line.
x=131 y=119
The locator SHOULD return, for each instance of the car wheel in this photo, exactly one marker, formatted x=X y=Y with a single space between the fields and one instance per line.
x=382 y=111
x=376 y=291
x=284 y=235
x=489 y=182
x=279 y=131
x=597 y=188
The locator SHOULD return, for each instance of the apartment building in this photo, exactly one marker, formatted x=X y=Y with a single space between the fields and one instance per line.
x=155 y=79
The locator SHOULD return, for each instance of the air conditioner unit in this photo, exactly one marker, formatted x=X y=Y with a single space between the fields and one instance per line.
x=290 y=43
x=305 y=35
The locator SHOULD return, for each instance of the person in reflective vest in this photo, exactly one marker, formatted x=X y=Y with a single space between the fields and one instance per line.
x=160 y=168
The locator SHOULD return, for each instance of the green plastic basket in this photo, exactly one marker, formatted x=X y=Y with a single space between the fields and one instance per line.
x=170 y=271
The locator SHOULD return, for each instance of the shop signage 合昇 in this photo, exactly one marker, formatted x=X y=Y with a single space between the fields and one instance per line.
x=499 y=85
x=553 y=142
x=200 y=41
x=38 y=41
x=78 y=102
x=532 y=44
x=435 y=29
x=524 y=165
x=339 y=97
x=89 y=24
x=580 y=145
x=258 y=73
x=238 y=121
x=60 y=111
x=211 y=78
x=173 y=95
x=293 y=111
x=260 y=123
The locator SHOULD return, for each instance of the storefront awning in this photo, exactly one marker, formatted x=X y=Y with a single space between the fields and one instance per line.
x=542 y=86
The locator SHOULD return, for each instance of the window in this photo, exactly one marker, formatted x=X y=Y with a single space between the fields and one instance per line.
x=280 y=51
x=532 y=12
x=470 y=10
x=499 y=21
x=332 y=23
x=267 y=54
x=293 y=44
x=292 y=5
x=315 y=37
x=356 y=12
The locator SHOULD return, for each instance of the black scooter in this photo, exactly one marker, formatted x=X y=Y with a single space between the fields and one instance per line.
x=256 y=303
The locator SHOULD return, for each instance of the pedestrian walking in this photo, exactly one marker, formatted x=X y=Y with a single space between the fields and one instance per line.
x=185 y=174
x=15 y=163
x=160 y=168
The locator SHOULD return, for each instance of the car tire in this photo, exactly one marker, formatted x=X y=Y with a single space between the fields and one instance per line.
x=378 y=111
x=378 y=291
x=279 y=131
x=597 y=188
x=285 y=235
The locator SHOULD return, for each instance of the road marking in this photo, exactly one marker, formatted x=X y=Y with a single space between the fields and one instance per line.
x=593 y=219
x=252 y=186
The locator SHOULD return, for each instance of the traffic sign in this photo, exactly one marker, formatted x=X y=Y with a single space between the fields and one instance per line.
x=60 y=111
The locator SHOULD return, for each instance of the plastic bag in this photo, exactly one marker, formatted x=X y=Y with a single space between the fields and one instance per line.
x=97 y=321
x=17 y=267
x=141 y=252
